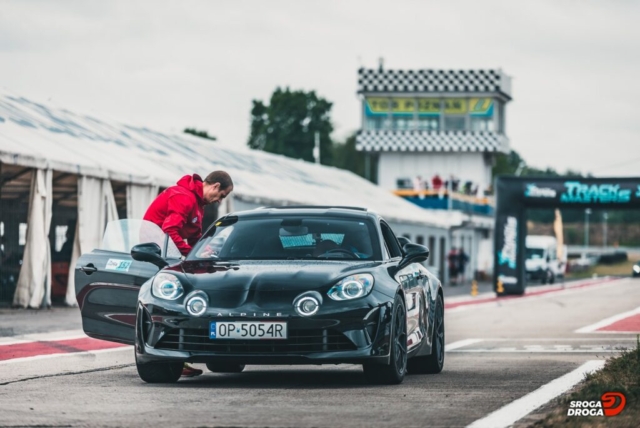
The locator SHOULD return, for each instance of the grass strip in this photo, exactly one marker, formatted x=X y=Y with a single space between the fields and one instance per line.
x=621 y=373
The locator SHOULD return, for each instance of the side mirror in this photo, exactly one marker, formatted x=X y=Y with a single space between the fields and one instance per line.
x=403 y=240
x=149 y=252
x=413 y=253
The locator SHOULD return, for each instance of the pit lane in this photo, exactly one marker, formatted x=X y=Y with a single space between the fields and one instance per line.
x=503 y=350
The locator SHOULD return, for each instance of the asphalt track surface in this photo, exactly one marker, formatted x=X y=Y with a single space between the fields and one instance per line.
x=500 y=350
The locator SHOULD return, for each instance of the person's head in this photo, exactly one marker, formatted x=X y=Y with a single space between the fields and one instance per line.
x=216 y=187
x=324 y=246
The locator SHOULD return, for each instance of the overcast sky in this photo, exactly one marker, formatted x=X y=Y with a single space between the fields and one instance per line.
x=175 y=64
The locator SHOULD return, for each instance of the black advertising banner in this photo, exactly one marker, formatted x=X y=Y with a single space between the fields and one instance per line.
x=577 y=192
x=506 y=253
x=514 y=195
x=509 y=238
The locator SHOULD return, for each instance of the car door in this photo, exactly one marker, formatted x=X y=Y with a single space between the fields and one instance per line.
x=429 y=284
x=410 y=277
x=107 y=283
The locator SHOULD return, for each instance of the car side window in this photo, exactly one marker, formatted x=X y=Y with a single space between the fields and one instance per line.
x=386 y=251
x=390 y=241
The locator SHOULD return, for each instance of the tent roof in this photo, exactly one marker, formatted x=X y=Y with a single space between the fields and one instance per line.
x=40 y=136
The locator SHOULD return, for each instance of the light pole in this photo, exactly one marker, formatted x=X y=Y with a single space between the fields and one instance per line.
x=586 y=227
x=605 y=216
x=316 y=148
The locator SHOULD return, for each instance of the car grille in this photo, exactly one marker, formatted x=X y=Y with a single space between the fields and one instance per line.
x=299 y=342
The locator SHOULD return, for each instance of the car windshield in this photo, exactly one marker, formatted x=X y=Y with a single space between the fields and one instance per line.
x=289 y=238
x=534 y=253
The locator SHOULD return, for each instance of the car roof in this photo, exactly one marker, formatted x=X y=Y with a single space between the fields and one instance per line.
x=310 y=210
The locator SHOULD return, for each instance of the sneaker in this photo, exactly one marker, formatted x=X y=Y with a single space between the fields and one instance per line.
x=188 y=371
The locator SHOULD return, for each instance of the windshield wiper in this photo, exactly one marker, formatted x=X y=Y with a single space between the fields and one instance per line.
x=225 y=264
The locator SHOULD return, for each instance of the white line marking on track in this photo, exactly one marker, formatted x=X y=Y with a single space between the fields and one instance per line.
x=460 y=343
x=532 y=291
x=605 y=322
x=556 y=291
x=521 y=407
x=558 y=339
x=536 y=351
x=69 y=354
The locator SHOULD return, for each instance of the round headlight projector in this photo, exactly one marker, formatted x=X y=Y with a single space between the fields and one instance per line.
x=307 y=304
x=197 y=304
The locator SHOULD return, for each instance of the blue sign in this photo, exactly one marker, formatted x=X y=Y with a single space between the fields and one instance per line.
x=508 y=254
x=212 y=330
x=577 y=192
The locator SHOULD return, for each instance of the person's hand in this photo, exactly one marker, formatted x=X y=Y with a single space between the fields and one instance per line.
x=208 y=251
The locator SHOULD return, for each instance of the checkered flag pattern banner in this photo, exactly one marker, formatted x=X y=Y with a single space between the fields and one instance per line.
x=436 y=81
x=430 y=141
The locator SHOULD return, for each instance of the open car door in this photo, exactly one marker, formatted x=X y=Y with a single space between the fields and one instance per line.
x=108 y=280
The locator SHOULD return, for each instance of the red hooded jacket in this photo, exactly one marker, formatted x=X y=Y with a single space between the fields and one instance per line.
x=179 y=210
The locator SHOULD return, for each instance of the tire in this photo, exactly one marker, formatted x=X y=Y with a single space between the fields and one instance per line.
x=225 y=367
x=163 y=372
x=431 y=364
x=394 y=372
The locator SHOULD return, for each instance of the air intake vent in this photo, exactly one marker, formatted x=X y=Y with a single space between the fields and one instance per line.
x=299 y=342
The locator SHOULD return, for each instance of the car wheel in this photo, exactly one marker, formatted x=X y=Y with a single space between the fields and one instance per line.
x=545 y=277
x=435 y=362
x=160 y=372
x=394 y=372
x=552 y=278
x=225 y=367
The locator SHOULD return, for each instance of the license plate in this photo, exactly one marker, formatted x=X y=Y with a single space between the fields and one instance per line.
x=247 y=330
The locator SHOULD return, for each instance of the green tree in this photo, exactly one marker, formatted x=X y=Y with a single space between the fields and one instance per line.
x=288 y=123
x=201 y=134
x=507 y=164
x=513 y=164
x=345 y=156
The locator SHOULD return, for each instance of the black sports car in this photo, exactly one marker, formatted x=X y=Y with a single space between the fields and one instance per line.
x=288 y=285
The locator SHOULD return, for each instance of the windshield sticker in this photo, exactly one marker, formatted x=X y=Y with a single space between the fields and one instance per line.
x=118 y=265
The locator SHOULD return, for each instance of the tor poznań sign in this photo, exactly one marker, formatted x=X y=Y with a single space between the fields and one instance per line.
x=517 y=194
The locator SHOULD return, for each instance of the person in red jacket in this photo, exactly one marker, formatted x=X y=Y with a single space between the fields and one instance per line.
x=179 y=210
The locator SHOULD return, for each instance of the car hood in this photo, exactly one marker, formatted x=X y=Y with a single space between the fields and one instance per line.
x=270 y=275
x=265 y=283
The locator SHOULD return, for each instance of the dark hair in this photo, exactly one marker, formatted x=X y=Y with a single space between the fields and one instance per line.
x=219 y=177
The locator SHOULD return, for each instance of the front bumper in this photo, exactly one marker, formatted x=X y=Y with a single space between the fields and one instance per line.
x=355 y=336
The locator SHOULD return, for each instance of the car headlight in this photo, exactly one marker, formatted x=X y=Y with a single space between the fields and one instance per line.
x=166 y=286
x=197 y=303
x=307 y=304
x=636 y=268
x=352 y=287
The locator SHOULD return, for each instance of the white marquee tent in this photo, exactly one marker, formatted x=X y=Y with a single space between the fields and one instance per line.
x=45 y=138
